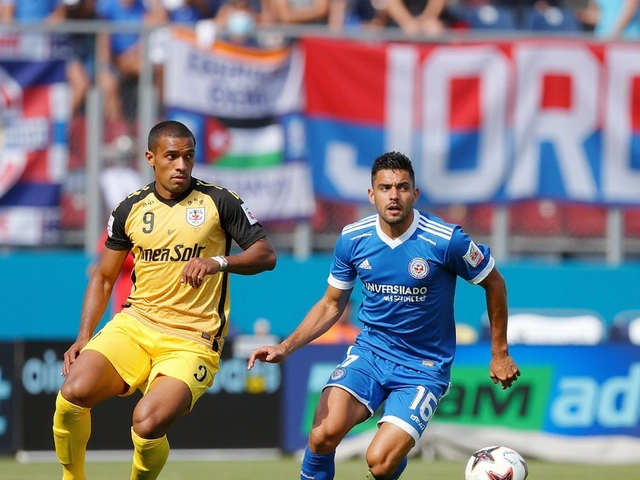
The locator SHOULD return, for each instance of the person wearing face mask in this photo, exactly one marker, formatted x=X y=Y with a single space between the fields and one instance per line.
x=236 y=20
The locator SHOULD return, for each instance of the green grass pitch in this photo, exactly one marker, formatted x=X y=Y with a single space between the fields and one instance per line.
x=287 y=468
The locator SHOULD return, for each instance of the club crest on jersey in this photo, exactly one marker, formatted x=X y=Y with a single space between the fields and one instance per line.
x=473 y=256
x=338 y=373
x=195 y=216
x=418 y=268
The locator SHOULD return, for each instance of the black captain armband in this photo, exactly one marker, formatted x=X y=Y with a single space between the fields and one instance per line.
x=222 y=261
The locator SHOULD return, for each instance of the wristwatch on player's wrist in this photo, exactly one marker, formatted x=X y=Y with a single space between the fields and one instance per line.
x=222 y=261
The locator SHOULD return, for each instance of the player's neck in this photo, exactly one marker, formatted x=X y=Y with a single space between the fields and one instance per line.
x=396 y=230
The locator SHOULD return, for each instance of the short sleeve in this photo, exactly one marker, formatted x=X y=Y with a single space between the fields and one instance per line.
x=237 y=220
x=342 y=274
x=117 y=238
x=469 y=260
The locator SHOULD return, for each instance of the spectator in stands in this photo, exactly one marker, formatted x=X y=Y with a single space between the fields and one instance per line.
x=237 y=20
x=539 y=4
x=119 y=54
x=367 y=14
x=519 y=7
x=612 y=18
x=32 y=10
x=417 y=16
x=83 y=45
x=25 y=11
x=545 y=15
x=299 y=11
x=187 y=11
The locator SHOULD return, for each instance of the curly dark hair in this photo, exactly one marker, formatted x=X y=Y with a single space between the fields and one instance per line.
x=393 y=161
x=168 y=128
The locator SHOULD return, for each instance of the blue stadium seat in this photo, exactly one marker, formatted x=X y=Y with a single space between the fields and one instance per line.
x=489 y=17
x=552 y=19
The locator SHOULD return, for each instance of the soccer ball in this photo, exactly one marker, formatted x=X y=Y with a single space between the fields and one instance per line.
x=496 y=463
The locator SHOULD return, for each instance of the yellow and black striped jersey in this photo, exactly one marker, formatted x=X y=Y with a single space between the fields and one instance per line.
x=162 y=236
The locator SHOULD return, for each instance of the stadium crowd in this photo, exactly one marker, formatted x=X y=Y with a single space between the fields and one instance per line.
x=118 y=62
x=112 y=61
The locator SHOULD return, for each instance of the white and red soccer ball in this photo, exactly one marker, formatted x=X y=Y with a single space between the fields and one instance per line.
x=496 y=463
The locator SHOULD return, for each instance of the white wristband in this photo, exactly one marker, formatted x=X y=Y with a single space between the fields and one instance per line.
x=222 y=261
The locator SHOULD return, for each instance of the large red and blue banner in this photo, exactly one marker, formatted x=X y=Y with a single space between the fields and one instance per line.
x=482 y=122
x=34 y=113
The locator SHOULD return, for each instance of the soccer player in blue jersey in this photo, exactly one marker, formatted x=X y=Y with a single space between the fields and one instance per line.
x=408 y=262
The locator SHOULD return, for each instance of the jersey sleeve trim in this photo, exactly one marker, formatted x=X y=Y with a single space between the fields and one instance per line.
x=340 y=284
x=251 y=240
x=485 y=271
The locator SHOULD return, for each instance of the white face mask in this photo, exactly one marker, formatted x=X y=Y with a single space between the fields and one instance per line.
x=240 y=23
x=172 y=4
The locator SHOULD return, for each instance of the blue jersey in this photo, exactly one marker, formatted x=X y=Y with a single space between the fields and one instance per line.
x=32 y=10
x=117 y=12
x=408 y=287
x=608 y=14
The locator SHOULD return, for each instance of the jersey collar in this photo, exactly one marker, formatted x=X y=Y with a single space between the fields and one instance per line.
x=394 y=242
x=174 y=201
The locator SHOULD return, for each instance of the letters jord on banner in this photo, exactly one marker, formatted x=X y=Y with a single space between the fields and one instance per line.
x=486 y=122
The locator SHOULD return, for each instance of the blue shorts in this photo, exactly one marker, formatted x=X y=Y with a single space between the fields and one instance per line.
x=410 y=397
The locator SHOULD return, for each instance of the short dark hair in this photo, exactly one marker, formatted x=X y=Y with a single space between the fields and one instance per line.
x=393 y=161
x=168 y=128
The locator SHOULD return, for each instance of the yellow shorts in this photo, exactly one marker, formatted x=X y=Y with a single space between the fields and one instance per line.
x=139 y=354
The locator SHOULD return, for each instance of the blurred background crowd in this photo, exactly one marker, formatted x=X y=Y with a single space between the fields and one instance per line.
x=112 y=61
x=117 y=55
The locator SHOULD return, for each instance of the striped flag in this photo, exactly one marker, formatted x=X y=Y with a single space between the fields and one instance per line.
x=243 y=105
x=34 y=113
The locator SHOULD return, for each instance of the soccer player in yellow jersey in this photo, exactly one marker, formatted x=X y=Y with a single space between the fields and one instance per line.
x=168 y=338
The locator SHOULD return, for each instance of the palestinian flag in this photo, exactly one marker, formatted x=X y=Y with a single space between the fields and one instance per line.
x=243 y=105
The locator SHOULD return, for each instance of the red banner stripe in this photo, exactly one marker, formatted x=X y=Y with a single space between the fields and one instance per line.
x=344 y=80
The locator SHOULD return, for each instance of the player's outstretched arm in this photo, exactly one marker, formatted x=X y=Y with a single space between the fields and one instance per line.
x=96 y=300
x=267 y=354
x=320 y=318
x=502 y=368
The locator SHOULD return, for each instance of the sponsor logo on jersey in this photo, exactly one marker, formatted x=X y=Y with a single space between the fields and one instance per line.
x=177 y=253
x=110 y=226
x=195 y=216
x=418 y=268
x=338 y=373
x=398 y=293
x=365 y=265
x=473 y=256
x=395 y=289
x=252 y=220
